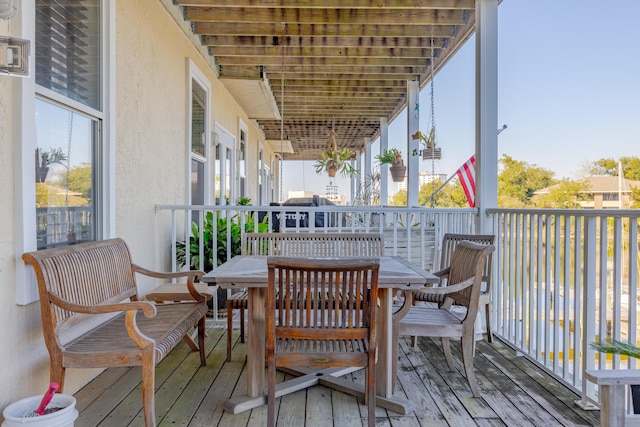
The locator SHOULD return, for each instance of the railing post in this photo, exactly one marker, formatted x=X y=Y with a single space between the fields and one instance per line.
x=589 y=305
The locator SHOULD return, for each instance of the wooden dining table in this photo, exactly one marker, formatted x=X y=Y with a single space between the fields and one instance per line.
x=248 y=271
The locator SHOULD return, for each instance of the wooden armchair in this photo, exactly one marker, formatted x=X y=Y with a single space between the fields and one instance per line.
x=322 y=313
x=449 y=243
x=463 y=288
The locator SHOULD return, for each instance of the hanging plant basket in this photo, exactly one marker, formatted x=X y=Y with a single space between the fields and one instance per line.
x=431 y=153
x=331 y=170
x=397 y=172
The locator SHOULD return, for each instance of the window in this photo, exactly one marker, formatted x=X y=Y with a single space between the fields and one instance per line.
x=66 y=175
x=68 y=122
x=68 y=53
x=65 y=182
x=198 y=144
x=241 y=165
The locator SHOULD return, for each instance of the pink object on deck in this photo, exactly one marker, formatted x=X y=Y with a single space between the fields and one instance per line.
x=47 y=398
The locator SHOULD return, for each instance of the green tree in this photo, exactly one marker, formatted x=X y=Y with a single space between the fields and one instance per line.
x=518 y=181
x=80 y=179
x=566 y=194
x=635 y=197
x=399 y=199
x=450 y=196
x=605 y=166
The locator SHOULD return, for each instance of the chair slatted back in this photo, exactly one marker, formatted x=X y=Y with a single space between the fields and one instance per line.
x=468 y=260
x=313 y=244
x=322 y=299
x=449 y=243
x=91 y=273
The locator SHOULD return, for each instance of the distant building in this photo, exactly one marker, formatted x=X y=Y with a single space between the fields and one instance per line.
x=297 y=194
x=331 y=194
x=604 y=192
x=424 y=178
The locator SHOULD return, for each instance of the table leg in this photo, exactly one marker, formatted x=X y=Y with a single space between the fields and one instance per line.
x=384 y=377
x=256 y=341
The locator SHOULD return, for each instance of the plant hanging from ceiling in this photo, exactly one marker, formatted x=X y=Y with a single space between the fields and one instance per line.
x=393 y=157
x=335 y=160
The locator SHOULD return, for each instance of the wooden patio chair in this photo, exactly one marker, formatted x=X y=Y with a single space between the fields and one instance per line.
x=463 y=288
x=322 y=313
x=449 y=243
x=298 y=244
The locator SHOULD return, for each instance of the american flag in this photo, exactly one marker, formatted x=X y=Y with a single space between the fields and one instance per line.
x=467 y=177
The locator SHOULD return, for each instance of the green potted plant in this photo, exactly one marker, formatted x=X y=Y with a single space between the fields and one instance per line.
x=624 y=349
x=430 y=151
x=333 y=161
x=393 y=157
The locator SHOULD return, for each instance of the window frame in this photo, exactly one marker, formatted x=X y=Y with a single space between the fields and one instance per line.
x=25 y=136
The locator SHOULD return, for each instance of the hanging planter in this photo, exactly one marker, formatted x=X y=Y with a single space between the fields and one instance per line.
x=432 y=154
x=393 y=157
x=397 y=172
x=334 y=159
x=430 y=151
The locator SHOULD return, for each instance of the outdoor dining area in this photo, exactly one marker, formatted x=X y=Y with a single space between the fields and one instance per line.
x=348 y=335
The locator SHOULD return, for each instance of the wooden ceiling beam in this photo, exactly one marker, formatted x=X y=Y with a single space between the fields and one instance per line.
x=356 y=75
x=335 y=4
x=365 y=97
x=336 y=52
x=276 y=61
x=323 y=29
x=296 y=92
x=349 y=69
x=322 y=41
x=251 y=15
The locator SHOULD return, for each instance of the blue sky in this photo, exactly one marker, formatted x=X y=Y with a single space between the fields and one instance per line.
x=568 y=88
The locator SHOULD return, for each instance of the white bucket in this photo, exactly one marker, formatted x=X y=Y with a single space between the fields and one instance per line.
x=14 y=413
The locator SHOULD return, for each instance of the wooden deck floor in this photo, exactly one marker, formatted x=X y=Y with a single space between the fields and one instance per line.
x=515 y=393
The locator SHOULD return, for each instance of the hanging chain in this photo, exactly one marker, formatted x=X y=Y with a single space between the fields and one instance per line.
x=66 y=192
x=282 y=46
x=432 y=131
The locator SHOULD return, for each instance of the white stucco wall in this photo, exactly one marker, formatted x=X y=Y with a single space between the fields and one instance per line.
x=151 y=168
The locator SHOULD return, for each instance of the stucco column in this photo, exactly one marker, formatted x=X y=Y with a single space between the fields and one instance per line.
x=486 y=111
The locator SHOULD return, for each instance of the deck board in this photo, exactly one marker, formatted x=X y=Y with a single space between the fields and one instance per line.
x=515 y=392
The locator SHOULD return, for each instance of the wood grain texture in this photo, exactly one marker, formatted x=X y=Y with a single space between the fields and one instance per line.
x=81 y=282
x=322 y=313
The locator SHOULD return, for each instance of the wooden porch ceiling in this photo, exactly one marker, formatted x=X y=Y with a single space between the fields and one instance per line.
x=343 y=61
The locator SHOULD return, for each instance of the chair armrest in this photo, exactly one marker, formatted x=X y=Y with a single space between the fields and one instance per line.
x=130 y=308
x=406 y=305
x=146 y=307
x=442 y=273
x=444 y=290
x=163 y=275
x=190 y=275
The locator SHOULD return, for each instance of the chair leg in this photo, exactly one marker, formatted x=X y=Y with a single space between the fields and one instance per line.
x=489 y=328
x=446 y=349
x=148 y=386
x=371 y=392
x=56 y=374
x=468 y=344
x=229 y=328
x=271 y=395
x=241 y=323
x=201 y=335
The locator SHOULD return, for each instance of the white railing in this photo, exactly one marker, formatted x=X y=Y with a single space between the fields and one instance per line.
x=564 y=279
x=552 y=267
x=414 y=233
